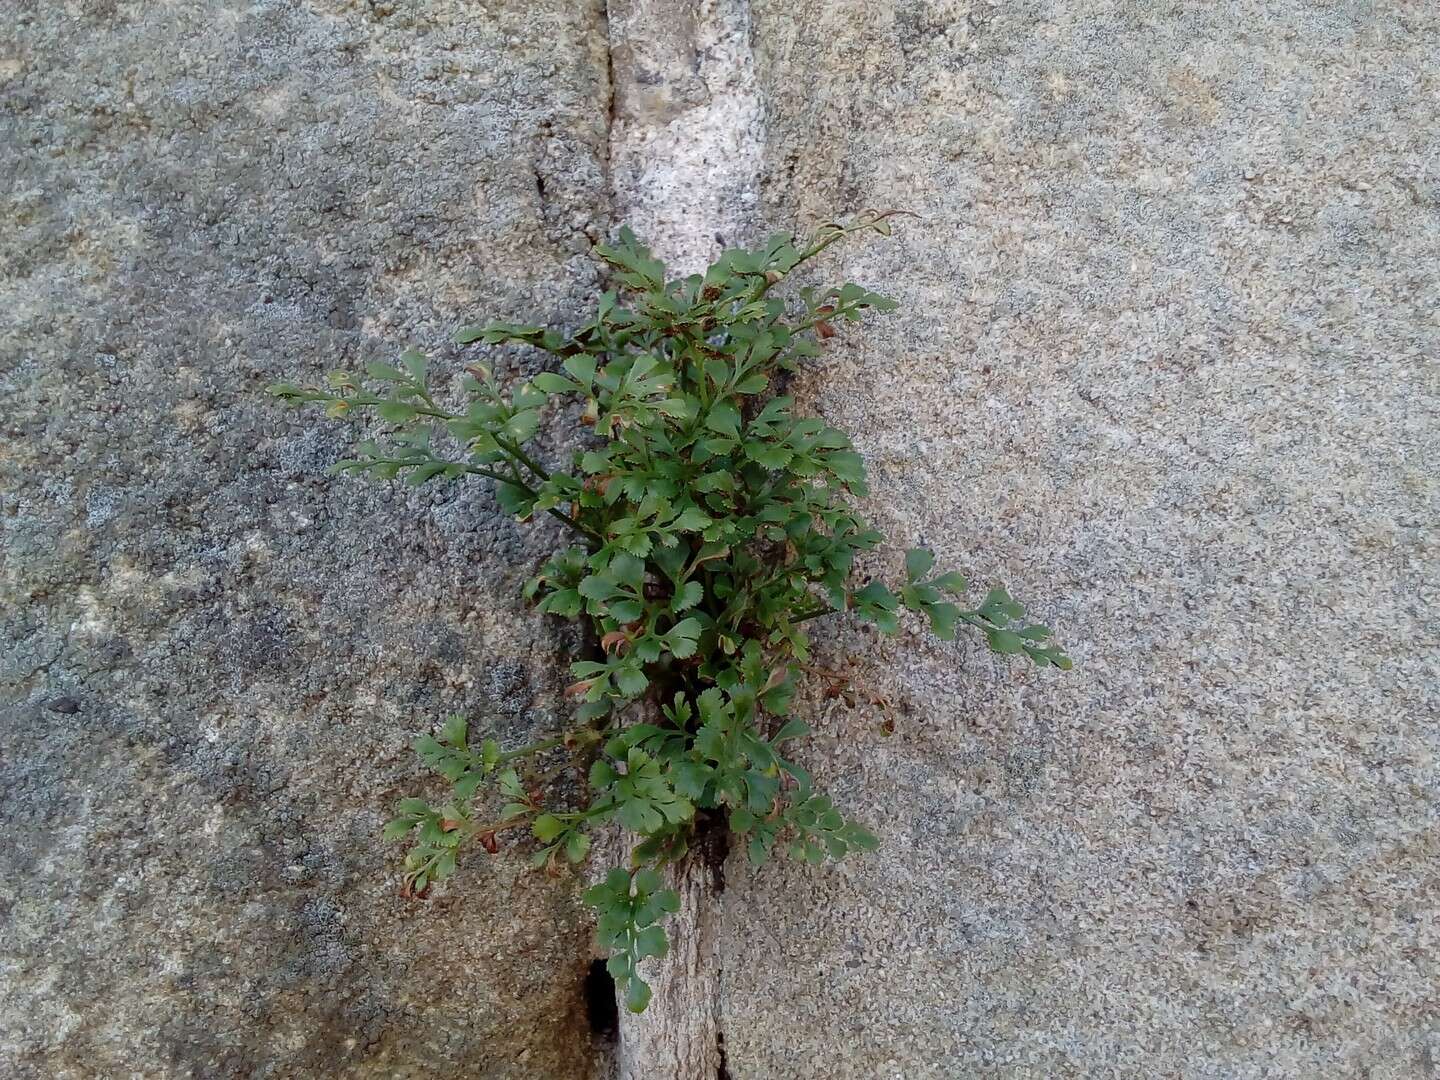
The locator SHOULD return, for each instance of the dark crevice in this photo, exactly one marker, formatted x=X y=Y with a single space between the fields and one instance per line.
x=717 y=850
x=602 y=1008
x=710 y=843
x=610 y=104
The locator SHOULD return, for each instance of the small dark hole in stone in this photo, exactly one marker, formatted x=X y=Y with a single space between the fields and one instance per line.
x=601 y=1008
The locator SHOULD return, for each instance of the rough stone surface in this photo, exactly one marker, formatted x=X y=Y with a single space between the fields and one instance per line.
x=1168 y=365
x=686 y=144
x=214 y=657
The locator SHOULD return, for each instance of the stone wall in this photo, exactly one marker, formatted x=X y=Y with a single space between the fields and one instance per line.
x=215 y=656
x=1167 y=365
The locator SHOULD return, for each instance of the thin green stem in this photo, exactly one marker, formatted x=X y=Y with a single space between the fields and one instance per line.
x=533 y=748
x=513 y=449
x=589 y=534
x=499 y=826
x=478 y=471
x=813 y=613
x=530 y=492
x=818 y=246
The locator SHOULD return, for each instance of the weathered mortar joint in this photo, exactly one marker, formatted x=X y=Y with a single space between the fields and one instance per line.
x=282 y=195
x=686 y=137
x=685 y=153
x=679 y=1034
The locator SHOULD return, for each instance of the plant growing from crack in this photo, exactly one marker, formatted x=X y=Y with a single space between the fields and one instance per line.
x=711 y=524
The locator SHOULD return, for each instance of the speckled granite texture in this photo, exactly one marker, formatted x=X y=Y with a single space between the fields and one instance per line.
x=214 y=656
x=1168 y=366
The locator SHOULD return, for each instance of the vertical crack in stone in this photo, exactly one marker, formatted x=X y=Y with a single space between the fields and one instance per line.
x=686 y=144
x=608 y=163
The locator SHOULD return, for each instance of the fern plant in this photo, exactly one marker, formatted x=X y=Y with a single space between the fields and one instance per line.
x=710 y=525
